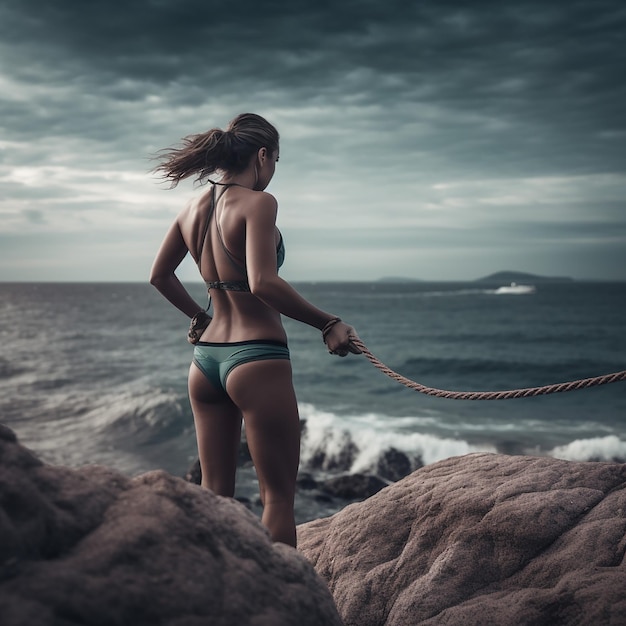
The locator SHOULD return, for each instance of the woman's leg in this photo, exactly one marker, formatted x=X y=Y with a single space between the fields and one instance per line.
x=263 y=391
x=218 y=431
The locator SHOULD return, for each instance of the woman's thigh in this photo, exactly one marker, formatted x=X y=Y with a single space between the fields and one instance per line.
x=218 y=431
x=263 y=392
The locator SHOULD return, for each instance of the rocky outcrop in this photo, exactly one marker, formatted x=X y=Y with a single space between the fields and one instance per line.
x=481 y=539
x=93 y=547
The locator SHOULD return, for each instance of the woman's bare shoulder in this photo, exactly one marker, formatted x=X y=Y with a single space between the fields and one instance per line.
x=265 y=202
x=193 y=209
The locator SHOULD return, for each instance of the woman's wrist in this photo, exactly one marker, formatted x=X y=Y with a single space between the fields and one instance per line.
x=199 y=323
x=201 y=315
x=329 y=326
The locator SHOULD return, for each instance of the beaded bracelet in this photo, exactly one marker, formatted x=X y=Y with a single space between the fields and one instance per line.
x=328 y=327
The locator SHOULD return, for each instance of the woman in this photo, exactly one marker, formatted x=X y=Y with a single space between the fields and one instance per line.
x=241 y=366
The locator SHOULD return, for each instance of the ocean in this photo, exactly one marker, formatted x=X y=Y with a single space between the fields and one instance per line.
x=96 y=373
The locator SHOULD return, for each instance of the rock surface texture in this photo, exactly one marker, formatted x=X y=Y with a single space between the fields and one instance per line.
x=93 y=547
x=481 y=539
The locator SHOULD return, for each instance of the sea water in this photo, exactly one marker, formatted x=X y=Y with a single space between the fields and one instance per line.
x=97 y=373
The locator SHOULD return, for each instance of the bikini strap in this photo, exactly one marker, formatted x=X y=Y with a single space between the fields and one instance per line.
x=205 y=230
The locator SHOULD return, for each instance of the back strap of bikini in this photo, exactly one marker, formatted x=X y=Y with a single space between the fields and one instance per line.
x=213 y=202
x=233 y=261
x=229 y=285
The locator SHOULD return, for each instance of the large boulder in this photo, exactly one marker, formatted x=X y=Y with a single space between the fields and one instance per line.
x=93 y=547
x=481 y=539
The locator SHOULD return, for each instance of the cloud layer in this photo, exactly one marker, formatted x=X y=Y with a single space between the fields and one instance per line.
x=429 y=140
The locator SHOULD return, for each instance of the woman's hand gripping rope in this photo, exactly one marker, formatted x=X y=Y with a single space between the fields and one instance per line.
x=339 y=337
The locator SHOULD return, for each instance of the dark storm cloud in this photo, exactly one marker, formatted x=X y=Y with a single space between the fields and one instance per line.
x=525 y=77
x=442 y=51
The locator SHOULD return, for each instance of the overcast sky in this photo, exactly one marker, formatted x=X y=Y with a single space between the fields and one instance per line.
x=424 y=139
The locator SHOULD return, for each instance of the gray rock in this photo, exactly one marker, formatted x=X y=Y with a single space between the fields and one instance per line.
x=480 y=539
x=93 y=547
x=340 y=459
x=394 y=465
x=353 y=486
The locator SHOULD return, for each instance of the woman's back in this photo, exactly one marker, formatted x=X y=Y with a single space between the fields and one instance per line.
x=215 y=227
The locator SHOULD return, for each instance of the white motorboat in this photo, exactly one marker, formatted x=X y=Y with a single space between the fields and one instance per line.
x=514 y=288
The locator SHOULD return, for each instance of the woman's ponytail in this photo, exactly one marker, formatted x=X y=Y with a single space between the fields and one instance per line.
x=199 y=155
x=218 y=150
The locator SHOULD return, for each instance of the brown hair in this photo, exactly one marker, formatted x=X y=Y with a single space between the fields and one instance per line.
x=218 y=150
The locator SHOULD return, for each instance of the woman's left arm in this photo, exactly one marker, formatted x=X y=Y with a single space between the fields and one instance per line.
x=170 y=255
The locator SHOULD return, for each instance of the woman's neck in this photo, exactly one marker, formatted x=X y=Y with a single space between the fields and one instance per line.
x=247 y=178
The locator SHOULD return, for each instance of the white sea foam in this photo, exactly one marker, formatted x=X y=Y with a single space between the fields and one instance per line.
x=331 y=435
x=598 y=448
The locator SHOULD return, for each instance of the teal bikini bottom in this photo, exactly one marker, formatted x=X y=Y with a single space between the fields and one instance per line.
x=217 y=360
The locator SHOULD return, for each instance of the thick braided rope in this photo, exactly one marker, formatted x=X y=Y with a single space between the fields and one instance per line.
x=488 y=395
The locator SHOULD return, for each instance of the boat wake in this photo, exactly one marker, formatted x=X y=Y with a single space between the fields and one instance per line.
x=515 y=289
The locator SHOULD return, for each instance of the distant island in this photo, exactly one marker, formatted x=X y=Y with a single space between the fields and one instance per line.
x=506 y=277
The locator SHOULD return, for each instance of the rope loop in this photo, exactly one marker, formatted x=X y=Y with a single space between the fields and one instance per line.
x=487 y=395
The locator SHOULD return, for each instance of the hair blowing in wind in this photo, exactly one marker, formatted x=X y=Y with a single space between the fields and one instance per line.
x=217 y=150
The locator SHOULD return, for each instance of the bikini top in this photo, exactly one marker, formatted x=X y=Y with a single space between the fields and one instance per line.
x=231 y=285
